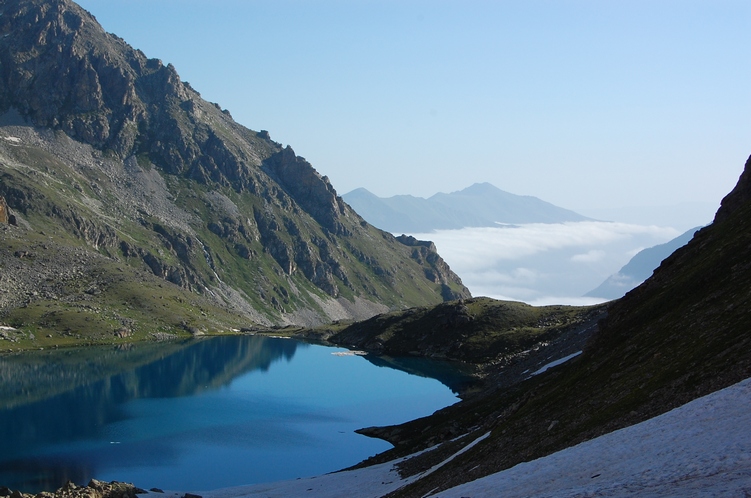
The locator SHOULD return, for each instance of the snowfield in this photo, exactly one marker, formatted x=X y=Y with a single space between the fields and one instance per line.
x=702 y=449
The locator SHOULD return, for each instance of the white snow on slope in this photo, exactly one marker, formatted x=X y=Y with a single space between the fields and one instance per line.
x=370 y=482
x=702 y=449
x=555 y=363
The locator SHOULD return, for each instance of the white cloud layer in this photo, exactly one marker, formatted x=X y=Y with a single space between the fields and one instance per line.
x=543 y=263
x=592 y=256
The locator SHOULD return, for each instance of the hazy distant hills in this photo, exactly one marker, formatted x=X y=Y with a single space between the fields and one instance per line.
x=639 y=268
x=479 y=205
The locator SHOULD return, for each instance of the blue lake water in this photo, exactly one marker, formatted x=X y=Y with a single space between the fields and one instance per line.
x=198 y=415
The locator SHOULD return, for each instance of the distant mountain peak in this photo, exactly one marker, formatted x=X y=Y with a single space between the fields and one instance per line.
x=483 y=187
x=479 y=205
x=360 y=190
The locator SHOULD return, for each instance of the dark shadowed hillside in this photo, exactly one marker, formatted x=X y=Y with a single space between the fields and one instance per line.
x=682 y=334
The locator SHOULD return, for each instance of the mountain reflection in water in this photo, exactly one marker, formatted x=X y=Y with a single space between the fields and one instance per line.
x=65 y=396
x=169 y=409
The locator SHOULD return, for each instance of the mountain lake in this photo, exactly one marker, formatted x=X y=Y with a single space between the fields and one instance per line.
x=201 y=414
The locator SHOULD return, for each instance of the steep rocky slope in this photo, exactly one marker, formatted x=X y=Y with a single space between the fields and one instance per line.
x=682 y=334
x=122 y=182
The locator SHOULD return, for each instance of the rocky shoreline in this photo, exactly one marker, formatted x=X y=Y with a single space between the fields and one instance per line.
x=95 y=489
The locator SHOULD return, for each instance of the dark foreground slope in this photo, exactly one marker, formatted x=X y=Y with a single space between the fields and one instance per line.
x=684 y=333
x=125 y=187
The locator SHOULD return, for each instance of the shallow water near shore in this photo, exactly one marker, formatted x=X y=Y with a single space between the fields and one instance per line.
x=197 y=415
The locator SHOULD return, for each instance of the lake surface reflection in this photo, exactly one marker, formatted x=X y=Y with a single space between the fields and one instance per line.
x=197 y=415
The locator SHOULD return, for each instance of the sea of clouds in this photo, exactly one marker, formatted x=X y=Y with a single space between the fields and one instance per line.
x=542 y=263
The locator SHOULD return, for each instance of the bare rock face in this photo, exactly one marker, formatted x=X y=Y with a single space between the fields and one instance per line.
x=53 y=69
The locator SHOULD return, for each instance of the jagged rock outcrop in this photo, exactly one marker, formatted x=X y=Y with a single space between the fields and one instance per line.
x=436 y=269
x=313 y=192
x=106 y=146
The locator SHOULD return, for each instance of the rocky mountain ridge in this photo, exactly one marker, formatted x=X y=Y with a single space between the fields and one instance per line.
x=111 y=156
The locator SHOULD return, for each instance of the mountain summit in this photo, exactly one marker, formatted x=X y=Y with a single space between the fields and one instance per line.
x=126 y=185
x=479 y=205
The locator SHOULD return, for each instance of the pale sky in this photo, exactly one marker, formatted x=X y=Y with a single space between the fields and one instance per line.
x=585 y=104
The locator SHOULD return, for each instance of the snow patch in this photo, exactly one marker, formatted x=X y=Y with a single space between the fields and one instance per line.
x=466 y=448
x=370 y=482
x=702 y=448
x=555 y=363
